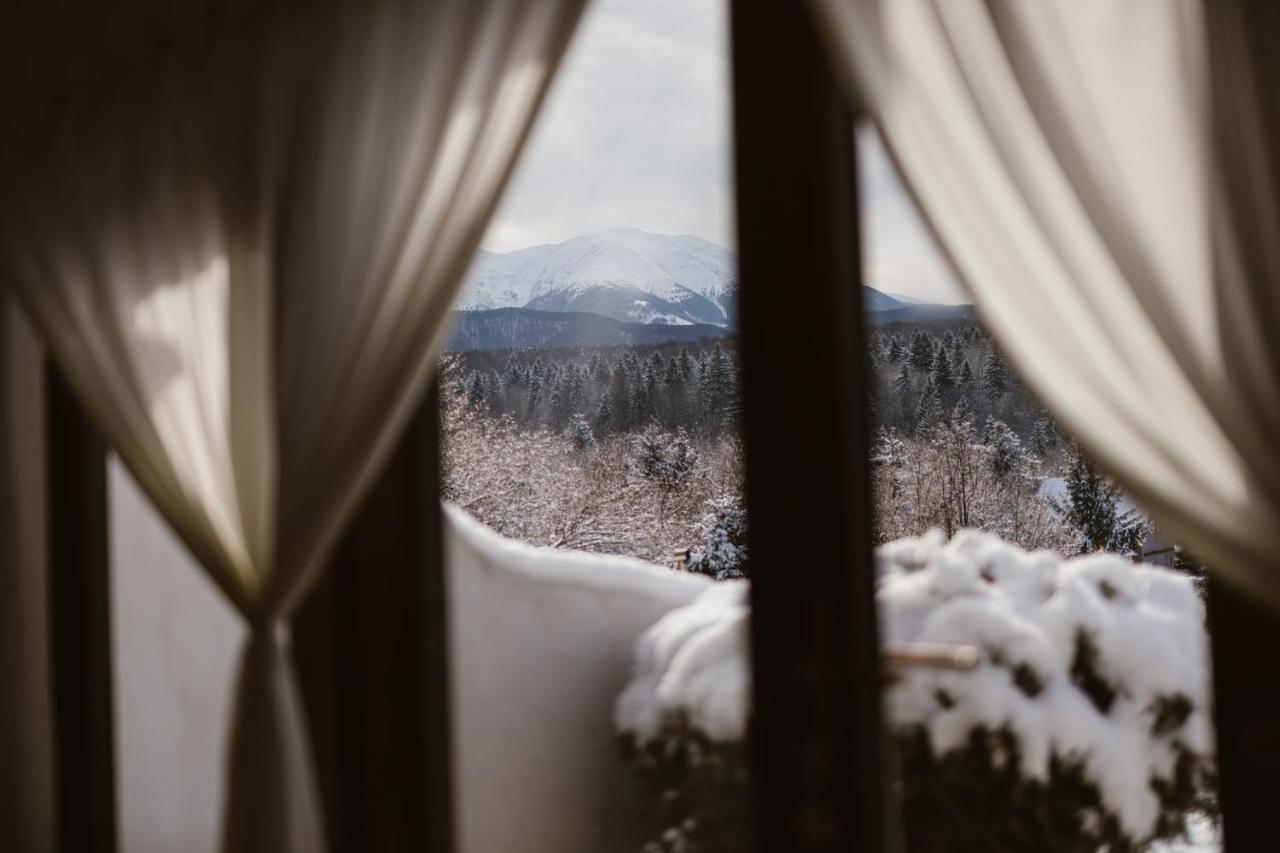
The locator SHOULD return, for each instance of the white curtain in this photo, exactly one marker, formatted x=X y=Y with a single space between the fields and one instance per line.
x=1062 y=152
x=241 y=250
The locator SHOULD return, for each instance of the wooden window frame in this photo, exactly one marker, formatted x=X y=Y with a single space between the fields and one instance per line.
x=817 y=730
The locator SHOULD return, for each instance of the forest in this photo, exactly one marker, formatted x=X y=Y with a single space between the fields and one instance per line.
x=635 y=449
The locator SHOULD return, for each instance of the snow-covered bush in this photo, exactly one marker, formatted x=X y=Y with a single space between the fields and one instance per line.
x=664 y=458
x=723 y=554
x=579 y=433
x=1085 y=726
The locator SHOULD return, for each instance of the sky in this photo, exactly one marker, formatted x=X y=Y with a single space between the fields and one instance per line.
x=636 y=131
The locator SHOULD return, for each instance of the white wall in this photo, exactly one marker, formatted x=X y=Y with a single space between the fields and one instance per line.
x=541 y=645
x=174 y=643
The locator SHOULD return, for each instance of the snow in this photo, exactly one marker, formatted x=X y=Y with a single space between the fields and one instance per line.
x=693 y=661
x=1023 y=612
x=672 y=268
x=1203 y=837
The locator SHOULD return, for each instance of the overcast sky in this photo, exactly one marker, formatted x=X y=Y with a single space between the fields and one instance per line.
x=636 y=132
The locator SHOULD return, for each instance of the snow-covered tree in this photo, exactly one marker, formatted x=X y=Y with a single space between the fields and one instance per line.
x=579 y=432
x=889 y=448
x=717 y=389
x=535 y=394
x=920 y=355
x=723 y=554
x=941 y=375
x=896 y=351
x=1007 y=455
x=995 y=376
x=604 y=415
x=929 y=408
x=664 y=458
x=902 y=384
x=1093 y=509
x=475 y=388
x=1044 y=436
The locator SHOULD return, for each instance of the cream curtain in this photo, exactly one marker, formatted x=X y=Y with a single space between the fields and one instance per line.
x=241 y=250
x=1062 y=153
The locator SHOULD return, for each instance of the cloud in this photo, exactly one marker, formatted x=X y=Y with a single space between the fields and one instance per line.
x=636 y=131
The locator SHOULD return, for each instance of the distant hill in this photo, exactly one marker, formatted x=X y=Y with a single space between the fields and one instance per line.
x=517 y=328
x=919 y=313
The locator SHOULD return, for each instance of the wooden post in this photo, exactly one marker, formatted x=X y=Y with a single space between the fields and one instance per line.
x=373 y=658
x=1246 y=689
x=79 y=624
x=816 y=734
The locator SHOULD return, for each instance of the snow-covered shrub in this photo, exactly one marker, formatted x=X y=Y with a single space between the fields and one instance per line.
x=580 y=433
x=664 y=458
x=1006 y=454
x=1085 y=726
x=889 y=448
x=723 y=554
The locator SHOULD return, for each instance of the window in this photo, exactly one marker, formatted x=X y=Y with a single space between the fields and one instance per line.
x=961 y=446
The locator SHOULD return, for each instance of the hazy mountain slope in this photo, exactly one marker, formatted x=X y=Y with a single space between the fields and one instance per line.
x=516 y=328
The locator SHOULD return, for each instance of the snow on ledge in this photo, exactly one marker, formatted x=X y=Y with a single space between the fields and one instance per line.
x=577 y=568
x=1026 y=613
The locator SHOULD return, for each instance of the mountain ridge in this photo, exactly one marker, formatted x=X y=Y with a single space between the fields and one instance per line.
x=632 y=276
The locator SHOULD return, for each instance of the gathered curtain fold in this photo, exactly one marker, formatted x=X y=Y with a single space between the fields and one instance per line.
x=1103 y=177
x=242 y=254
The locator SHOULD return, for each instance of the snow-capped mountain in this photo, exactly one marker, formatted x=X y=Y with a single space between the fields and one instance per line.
x=637 y=277
x=625 y=274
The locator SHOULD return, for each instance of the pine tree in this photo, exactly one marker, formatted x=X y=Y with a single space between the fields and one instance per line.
x=514 y=371
x=966 y=376
x=557 y=403
x=475 y=388
x=1093 y=509
x=664 y=458
x=995 y=376
x=941 y=376
x=1006 y=453
x=604 y=415
x=929 y=409
x=672 y=378
x=686 y=365
x=896 y=351
x=620 y=400
x=920 y=356
x=716 y=389
x=902 y=384
x=1044 y=437
x=535 y=394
